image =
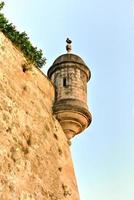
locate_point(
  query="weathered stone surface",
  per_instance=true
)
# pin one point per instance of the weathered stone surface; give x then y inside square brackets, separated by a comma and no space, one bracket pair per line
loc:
[35,161]
[70,75]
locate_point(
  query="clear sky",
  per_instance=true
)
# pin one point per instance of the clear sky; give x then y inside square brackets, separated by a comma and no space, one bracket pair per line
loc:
[103,35]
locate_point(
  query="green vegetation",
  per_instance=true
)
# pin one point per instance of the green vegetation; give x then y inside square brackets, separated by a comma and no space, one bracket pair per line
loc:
[21,40]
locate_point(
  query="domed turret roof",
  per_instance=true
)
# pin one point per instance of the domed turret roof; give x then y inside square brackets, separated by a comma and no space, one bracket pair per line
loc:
[67,60]
[69,57]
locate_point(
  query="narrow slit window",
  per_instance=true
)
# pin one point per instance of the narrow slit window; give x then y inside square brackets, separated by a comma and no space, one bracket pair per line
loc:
[64,82]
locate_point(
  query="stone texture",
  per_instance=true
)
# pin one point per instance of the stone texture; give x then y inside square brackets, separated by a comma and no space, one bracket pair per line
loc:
[35,160]
[70,75]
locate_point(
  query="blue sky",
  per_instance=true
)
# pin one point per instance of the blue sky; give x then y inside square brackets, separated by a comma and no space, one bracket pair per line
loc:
[103,35]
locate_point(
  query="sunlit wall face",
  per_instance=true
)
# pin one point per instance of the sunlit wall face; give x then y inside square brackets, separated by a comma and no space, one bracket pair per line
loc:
[102,34]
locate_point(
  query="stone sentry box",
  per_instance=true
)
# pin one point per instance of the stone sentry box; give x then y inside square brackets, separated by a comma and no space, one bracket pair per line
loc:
[70,75]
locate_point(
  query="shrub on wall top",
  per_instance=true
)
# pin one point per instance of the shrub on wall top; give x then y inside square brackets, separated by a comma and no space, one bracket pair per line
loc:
[21,40]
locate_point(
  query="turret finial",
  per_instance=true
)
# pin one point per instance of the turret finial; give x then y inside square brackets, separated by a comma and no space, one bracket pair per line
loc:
[68,46]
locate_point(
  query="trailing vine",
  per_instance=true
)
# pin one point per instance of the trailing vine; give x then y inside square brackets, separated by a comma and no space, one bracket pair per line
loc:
[21,40]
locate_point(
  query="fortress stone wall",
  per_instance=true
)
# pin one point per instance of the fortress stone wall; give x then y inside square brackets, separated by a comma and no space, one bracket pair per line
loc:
[35,160]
